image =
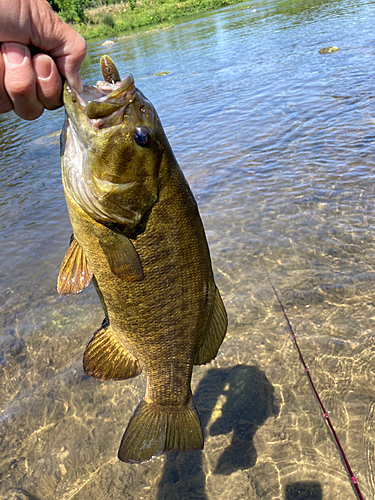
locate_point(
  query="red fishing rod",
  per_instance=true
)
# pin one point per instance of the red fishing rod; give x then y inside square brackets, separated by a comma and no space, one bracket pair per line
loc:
[325,413]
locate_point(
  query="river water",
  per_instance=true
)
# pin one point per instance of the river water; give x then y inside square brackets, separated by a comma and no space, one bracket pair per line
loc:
[277,143]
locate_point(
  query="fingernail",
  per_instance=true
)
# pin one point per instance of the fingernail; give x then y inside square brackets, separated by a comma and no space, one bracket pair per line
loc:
[15,53]
[44,68]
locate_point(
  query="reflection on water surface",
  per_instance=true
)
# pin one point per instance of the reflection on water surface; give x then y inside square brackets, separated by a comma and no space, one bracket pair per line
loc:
[277,142]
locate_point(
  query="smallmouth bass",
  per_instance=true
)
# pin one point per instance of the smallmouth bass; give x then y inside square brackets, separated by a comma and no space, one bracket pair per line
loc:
[138,236]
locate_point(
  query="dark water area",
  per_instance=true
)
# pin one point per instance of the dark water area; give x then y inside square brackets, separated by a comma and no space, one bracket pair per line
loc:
[277,143]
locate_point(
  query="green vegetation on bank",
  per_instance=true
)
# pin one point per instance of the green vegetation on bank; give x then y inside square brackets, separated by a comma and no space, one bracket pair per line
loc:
[107,18]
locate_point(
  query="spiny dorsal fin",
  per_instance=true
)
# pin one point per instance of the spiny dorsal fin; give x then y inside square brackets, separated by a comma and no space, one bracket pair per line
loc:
[122,256]
[75,274]
[105,357]
[215,333]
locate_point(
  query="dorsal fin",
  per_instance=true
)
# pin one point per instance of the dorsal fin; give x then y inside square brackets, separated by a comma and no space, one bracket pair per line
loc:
[215,333]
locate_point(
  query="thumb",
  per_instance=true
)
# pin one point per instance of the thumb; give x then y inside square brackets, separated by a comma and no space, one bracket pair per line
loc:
[68,51]
[54,37]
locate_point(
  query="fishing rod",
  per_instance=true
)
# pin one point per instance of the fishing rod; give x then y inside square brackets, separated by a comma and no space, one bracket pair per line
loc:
[325,413]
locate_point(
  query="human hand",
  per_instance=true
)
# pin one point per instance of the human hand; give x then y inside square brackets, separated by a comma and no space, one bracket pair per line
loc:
[29,84]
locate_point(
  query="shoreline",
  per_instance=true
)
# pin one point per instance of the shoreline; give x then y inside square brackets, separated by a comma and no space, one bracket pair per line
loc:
[115,19]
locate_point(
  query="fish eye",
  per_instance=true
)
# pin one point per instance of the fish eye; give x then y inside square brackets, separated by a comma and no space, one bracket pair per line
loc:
[143,136]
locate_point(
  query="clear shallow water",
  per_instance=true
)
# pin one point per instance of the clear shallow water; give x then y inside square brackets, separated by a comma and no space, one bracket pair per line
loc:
[277,142]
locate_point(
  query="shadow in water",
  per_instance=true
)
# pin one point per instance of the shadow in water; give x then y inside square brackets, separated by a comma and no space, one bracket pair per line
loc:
[248,401]
[304,490]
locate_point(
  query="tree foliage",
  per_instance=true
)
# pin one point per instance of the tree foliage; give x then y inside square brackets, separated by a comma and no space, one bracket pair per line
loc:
[74,10]
[70,10]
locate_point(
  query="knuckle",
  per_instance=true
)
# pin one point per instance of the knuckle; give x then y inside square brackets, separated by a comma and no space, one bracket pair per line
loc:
[82,52]
[20,89]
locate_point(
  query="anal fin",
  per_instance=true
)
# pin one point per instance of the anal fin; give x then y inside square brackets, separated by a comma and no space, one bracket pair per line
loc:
[75,274]
[215,333]
[105,357]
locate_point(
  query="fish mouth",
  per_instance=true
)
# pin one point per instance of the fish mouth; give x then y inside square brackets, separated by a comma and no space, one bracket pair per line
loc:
[102,100]
[96,132]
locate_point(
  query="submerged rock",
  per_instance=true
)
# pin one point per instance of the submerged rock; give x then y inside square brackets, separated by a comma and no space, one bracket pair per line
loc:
[328,50]
[161,73]
[107,42]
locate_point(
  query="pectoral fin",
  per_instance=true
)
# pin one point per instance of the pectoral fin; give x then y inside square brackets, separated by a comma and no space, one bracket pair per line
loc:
[75,274]
[105,357]
[122,256]
[215,333]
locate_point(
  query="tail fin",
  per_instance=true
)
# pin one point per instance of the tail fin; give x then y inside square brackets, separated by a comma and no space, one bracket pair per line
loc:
[154,429]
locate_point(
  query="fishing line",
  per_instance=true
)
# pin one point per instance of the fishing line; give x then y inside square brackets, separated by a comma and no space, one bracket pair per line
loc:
[325,413]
